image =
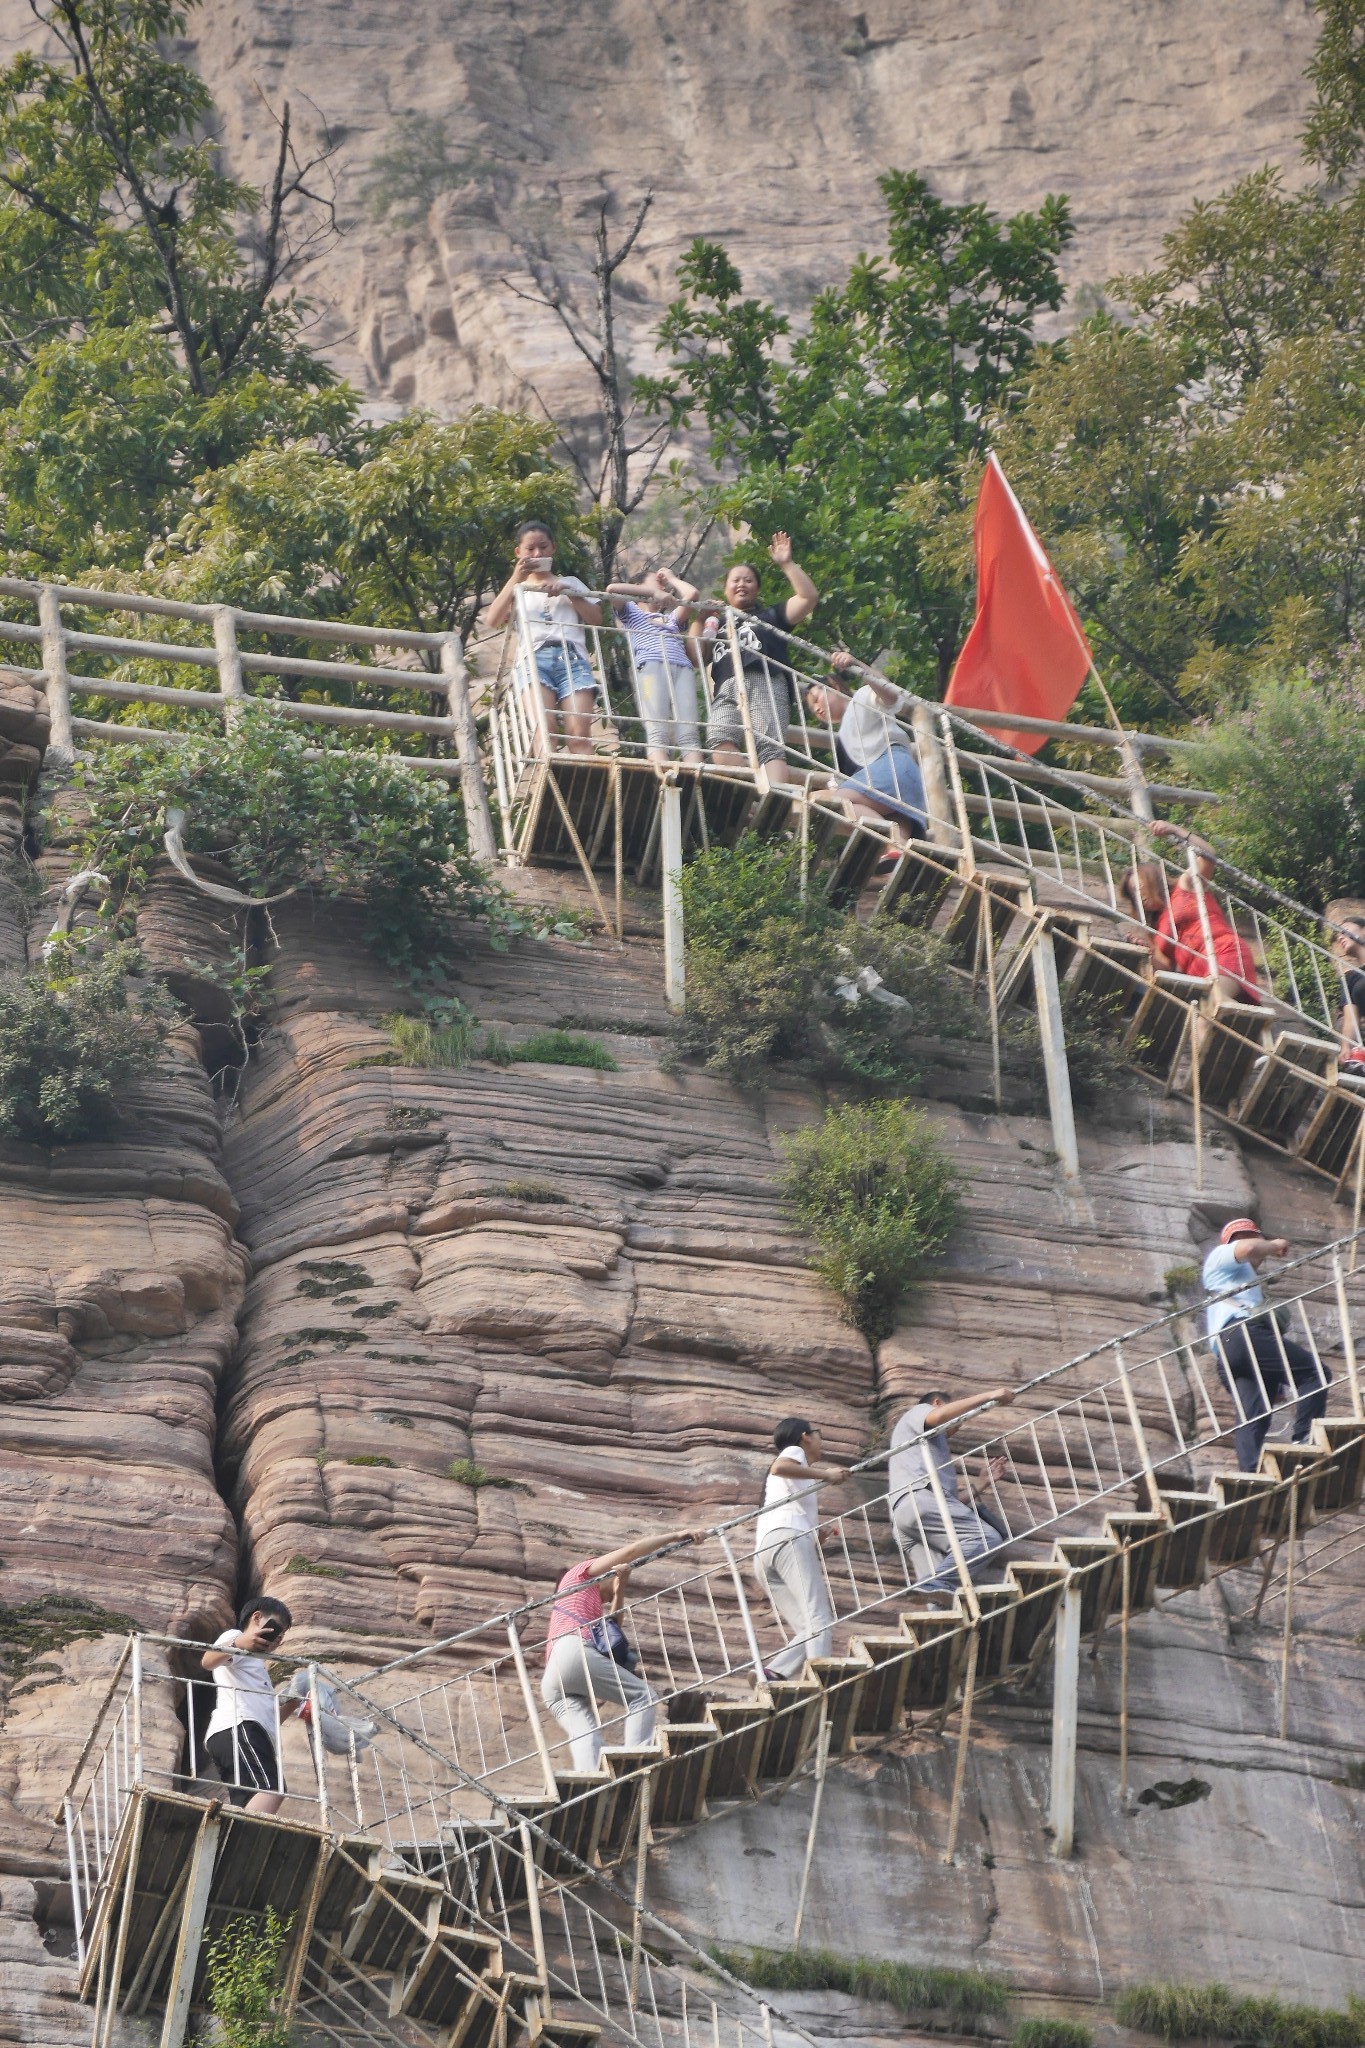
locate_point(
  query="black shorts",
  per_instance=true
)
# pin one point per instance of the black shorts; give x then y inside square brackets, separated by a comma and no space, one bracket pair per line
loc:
[246,1761]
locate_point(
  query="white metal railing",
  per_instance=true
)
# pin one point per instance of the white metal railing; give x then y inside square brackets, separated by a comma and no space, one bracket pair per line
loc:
[458,1728]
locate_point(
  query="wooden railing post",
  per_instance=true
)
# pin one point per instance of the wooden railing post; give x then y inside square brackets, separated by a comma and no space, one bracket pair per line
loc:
[229,663]
[936,798]
[61,745]
[670,881]
[478,814]
[1065,1702]
[1058,1074]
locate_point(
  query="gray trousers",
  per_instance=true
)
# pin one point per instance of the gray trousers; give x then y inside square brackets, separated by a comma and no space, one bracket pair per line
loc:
[916,1519]
[581,1688]
[793,1576]
[668,704]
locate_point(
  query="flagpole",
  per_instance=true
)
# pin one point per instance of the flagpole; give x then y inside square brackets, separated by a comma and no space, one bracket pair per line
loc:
[1139,796]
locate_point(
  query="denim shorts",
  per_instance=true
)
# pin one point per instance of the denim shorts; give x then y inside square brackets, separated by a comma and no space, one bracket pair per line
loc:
[561,669]
[892,781]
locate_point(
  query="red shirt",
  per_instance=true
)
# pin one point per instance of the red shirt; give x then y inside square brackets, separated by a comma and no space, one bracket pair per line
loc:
[1180,930]
[577,1610]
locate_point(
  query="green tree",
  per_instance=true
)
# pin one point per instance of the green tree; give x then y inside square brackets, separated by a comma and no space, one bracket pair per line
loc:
[1196,472]
[147,332]
[245,1963]
[1335,134]
[893,382]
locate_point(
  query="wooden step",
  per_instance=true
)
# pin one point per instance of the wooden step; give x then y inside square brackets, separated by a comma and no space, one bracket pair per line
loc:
[1328,1140]
[915,891]
[997,1604]
[560,2033]
[940,1652]
[1000,898]
[617,1838]
[587,1801]
[842,1679]
[1105,971]
[736,1752]
[854,865]
[1155,1038]
[1231,1039]
[1282,1095]
[1039,1588]
[1240,1528]
[1095,1558]
[1302,1464]
[1185,1556]
[1343,1476]
[789,1737]
[1145,1536]
[438,1982]
[678,1791]
[381,1936]
[881,1703]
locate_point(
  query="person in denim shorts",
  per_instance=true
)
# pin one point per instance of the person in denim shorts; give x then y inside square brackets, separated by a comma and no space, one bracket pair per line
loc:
[552,653]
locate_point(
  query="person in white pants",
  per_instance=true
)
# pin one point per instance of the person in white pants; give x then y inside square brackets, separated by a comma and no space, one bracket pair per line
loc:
[582,1678]
[787,1561]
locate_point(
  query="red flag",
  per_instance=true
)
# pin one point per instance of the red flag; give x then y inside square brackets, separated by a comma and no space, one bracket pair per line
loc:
[1026,651]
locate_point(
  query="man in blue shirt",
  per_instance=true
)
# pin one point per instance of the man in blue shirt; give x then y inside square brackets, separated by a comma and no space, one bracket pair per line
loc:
[1259,1364]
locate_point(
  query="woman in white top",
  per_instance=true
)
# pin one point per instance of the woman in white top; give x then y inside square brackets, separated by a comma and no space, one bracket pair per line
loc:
[879,773]
[787,1560]
[553,651]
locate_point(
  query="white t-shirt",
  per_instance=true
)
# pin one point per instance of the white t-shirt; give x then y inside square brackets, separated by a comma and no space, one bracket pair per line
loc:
[790,1506]
[550,620]
[1222,1270]
[867,730]
[243,1691]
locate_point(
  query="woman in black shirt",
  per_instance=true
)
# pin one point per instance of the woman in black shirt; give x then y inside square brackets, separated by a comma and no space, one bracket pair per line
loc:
[765,662]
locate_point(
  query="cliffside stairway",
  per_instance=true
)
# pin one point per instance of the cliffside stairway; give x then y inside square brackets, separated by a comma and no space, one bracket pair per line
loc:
[453,1883]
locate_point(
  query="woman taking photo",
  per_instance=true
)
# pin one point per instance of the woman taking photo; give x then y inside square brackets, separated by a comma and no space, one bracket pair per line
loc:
[552,652]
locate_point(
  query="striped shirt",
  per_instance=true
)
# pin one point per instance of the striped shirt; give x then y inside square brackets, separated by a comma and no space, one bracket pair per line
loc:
[653,636]
[577,1610]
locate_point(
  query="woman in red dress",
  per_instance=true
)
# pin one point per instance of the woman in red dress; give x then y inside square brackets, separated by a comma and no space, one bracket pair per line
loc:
[1181,931]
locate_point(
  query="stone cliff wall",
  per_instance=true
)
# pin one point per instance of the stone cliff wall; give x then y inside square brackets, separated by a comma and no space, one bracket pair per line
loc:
[764,123]
[582,1281]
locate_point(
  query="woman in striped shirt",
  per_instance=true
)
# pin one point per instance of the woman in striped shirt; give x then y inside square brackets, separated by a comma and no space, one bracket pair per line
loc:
[666,682]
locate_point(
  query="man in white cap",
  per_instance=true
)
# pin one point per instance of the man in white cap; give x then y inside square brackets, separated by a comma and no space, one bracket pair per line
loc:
[1258,1362]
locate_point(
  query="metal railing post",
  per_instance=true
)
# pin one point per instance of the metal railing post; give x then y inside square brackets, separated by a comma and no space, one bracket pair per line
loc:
[741,689]
[477,811]
[229,663]
[533,1713]
[746,1618]
[670,882]
[1053,1033]
[315,1742]
[1065,1701]
[137,1710]
[61,744]
[967,854]
[930,753]
[1348,1342]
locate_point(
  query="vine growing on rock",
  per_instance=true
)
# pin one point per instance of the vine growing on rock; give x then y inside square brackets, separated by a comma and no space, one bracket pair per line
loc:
[284,815]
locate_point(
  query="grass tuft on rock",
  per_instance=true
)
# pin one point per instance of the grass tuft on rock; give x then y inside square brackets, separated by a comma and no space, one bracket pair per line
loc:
[424,1042]
[37,1628]
[467,1472]
[959,1997]
[550,1049]
[1213,2012]
[1047,2033]
[305,1568]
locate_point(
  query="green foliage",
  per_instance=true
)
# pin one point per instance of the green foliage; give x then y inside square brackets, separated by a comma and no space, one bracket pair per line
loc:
[763,967]
[370,1458]
[891,382]
[874,1188]
[244,1981]
[466,1472]
[565,1049]
[347,824]
[73,1033]
[38,1628]
[1211,2012]
[148,336]
[422,1042]
[960,1998]
[305,1567]
[530,1191]
[413,168]
[1194,474]
[1052,2034]
[328,1279]
[1335,134]
[1291,771]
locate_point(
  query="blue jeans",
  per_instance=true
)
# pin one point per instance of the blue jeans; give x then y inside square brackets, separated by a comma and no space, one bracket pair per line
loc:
[893,783]
[559,668]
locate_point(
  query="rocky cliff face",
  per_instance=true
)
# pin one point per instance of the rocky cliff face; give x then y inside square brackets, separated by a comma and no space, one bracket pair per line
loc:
[249,1355]
[765,123]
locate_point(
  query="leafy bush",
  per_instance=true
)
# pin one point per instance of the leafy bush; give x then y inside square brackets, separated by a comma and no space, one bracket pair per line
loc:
[243,1989]
[961,1997]
[872,1186]
[72,1034]
[433,1042]
[1290,769]
[764,968]
[1052,2034]
[1212,2012]
[348,824]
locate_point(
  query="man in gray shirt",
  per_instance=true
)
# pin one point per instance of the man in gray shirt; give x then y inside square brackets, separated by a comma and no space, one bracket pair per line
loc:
[921,1435]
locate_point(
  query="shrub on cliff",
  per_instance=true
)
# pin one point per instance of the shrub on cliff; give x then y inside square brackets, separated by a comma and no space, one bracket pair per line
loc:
[874,1188]
[245,1965]
[775,976]
[1213,2012]
[960,1998]
[72,1034]
[344,823]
